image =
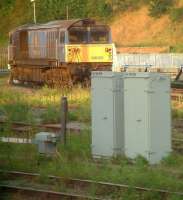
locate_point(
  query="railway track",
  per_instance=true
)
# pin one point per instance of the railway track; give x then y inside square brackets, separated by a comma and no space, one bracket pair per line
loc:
[42,194]
[23,130]
[101,187]
[25,127]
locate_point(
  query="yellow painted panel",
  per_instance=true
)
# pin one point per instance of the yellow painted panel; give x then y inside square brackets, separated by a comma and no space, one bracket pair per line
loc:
[88,53]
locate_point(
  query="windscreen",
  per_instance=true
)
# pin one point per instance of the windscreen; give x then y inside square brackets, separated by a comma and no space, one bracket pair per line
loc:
[99,35]
[78,35]
[93,35]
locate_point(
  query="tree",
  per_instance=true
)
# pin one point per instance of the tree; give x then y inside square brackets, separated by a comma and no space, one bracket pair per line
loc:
[159,7]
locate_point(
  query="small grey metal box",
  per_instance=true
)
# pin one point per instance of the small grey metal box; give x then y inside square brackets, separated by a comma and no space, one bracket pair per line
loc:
[107,114]
[46,142]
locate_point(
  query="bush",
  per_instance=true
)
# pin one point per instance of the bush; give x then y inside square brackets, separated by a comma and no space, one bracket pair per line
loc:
[176,14]
[177,114]
[124,5]
[52,115]
[178,48]
[159,7]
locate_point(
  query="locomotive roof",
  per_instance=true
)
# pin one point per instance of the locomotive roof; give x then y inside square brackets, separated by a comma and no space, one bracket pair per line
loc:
[64,24]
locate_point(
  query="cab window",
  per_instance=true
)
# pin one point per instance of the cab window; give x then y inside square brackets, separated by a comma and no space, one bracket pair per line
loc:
[99,35]
[78,35]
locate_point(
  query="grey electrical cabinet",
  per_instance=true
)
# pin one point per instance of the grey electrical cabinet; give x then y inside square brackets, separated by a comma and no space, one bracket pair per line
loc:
[107,114]
[131,115]
[147,120]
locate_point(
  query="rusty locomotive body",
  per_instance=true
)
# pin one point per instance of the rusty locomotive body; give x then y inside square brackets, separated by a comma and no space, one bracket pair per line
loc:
[59,52]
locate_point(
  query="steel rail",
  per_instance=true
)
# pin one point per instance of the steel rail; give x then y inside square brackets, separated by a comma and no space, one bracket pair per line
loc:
[85,182]
[24,140]
[49,193]
[54,127]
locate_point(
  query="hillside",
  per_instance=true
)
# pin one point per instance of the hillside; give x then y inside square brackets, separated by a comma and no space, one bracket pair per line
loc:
[137,28]
[140,23]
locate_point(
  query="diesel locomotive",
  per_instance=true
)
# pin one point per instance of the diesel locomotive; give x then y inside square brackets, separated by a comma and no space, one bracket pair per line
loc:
[62,52]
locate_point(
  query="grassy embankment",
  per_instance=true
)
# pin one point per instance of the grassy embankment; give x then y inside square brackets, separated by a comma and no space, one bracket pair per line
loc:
[74,160]
[137,28]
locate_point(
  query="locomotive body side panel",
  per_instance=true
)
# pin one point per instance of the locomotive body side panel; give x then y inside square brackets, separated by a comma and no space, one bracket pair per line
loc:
[42,44]
[37,44]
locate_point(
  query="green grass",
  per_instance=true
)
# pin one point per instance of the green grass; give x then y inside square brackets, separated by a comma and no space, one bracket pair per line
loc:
[74,159]
[177,113]
[20,104]
[51,114]
[178,48]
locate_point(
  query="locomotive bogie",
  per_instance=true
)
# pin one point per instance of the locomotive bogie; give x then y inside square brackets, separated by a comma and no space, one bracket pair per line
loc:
[62,75]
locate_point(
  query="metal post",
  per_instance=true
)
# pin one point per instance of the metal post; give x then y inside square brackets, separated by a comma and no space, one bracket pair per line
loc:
[64,110]
[34,6]
[67,12]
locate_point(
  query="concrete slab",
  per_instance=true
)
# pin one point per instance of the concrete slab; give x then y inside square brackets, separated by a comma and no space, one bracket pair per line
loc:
[16,140]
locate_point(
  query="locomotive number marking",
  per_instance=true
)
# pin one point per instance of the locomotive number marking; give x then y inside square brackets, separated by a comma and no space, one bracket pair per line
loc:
[97,57]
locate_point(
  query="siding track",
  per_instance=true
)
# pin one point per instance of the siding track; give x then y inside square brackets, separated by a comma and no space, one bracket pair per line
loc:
[83,184]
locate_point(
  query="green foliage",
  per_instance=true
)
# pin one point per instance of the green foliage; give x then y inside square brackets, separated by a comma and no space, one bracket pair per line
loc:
[176,14]
[15,107]
[118,6]
[74,159]
[159,7]
[177,113]
[172,160]
[141,161]
[99,9]
[178,48]
[82,113]
[52,115]
[18,12]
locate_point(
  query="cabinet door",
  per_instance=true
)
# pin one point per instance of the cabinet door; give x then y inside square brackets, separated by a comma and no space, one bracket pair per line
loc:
[102,117]
[136,117]
[160,118]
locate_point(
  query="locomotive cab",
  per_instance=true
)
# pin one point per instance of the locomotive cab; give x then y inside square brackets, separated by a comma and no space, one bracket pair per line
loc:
[89,44]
